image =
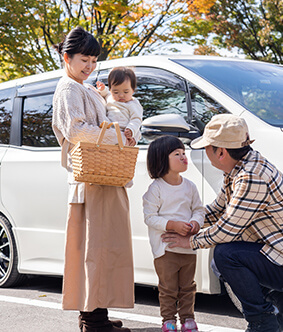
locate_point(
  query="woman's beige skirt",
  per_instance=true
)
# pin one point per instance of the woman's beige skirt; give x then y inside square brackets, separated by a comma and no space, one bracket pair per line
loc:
[98,269]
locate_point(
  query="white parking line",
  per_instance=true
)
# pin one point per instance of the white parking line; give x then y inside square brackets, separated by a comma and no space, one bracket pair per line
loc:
[158,320]
[35,303]
[112,314]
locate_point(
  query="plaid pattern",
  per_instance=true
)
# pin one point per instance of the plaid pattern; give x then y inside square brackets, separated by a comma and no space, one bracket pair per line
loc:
[249,207]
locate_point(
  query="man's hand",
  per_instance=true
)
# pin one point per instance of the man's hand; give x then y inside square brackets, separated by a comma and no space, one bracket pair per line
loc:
[176,240]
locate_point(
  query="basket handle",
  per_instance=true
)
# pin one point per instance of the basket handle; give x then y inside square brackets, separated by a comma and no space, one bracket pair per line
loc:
[104,125]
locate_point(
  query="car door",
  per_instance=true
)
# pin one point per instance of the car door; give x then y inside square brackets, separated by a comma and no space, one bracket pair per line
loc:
[33,183]
[160,92]
[203,108]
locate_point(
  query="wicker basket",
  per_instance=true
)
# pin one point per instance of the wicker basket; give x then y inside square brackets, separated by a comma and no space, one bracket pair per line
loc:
[104,164]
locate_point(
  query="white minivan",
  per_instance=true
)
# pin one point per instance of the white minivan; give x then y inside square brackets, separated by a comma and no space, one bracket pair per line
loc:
[179,95]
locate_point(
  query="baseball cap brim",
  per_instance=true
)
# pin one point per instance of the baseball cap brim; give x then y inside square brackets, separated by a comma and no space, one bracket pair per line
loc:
[199,143]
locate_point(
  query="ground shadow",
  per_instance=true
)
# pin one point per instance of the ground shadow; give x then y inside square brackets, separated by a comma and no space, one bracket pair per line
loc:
[42,284]
[145,295]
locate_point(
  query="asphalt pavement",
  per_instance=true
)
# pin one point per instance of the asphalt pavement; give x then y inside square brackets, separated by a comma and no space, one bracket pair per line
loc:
[36,306]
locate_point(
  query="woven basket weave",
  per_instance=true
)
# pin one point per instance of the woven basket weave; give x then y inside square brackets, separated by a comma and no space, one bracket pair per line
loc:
[104,164]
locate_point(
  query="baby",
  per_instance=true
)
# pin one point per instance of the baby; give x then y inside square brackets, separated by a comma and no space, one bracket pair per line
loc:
[121,106]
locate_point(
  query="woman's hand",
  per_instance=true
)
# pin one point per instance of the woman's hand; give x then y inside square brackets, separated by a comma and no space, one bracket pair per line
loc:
[176,240]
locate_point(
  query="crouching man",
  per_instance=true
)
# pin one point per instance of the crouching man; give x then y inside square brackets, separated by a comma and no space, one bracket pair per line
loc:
[245,223]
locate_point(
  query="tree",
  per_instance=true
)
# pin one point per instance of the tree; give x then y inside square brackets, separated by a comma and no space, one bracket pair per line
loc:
[29,28]
[255,27]
[27,31]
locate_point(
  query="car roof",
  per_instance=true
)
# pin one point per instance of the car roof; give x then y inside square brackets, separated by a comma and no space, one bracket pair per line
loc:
[147,60]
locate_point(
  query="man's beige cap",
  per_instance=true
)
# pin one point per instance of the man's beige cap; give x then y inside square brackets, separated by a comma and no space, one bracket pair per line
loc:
[224,131]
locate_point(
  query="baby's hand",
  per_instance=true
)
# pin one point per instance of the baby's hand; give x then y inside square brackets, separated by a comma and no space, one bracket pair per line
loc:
[195,227]
[100,86]
[131,142]
[128,133]
[182,227]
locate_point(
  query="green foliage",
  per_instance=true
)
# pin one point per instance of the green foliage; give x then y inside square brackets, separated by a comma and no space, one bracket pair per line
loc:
[255,27]
[27,31]
[29,28]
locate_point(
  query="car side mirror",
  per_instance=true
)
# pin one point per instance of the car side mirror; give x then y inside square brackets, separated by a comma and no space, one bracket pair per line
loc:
[168,124]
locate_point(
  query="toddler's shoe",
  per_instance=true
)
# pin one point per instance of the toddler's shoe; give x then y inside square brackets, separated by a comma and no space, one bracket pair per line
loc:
[169,326]
[189,326]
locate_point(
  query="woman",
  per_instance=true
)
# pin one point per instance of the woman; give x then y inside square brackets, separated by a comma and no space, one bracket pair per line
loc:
[98,272]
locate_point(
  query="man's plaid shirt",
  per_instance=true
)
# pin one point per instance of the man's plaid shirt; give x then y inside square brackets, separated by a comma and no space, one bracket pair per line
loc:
[249,207]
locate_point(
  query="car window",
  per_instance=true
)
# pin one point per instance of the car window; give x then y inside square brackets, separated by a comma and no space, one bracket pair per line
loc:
[37,122]
[255,85]
[159,99]
[6,97]
[203,107]
[158,91]
[264,102]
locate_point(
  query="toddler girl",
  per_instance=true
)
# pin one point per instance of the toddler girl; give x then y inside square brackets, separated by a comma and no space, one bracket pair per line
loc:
[172,203]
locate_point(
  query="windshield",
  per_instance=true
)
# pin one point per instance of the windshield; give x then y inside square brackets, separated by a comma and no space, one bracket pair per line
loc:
[256,86]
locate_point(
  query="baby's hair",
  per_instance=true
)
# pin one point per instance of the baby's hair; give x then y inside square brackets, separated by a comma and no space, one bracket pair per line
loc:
[158,155]
[119,75]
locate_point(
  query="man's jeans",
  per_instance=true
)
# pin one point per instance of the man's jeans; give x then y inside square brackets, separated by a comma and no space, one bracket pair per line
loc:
[249,273]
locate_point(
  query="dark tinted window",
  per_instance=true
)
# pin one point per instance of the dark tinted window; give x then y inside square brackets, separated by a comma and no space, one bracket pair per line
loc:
[159,92]
[5,115]
[203,107]
[37,122]
[159,99]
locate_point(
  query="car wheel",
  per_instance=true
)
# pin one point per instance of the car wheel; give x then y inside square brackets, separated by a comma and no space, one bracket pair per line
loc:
[9,275]
[233,297]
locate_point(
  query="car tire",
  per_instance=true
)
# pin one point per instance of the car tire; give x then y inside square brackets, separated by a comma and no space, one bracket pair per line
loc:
[233,297]
[9,275]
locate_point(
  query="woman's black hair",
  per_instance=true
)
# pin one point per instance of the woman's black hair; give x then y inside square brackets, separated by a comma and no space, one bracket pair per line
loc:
[77,41]
[158,155]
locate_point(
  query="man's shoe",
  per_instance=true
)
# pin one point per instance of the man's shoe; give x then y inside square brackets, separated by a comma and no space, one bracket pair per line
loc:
[266,322]
[276,298]
[280,321]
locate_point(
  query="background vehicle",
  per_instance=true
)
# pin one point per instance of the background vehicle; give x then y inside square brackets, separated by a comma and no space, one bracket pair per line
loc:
[179,95]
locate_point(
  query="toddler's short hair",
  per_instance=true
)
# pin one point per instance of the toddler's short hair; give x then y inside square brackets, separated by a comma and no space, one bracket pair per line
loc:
[120,74]
[158,155]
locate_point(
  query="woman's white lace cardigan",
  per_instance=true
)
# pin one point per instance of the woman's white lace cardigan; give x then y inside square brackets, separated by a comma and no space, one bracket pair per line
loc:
[77,112]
